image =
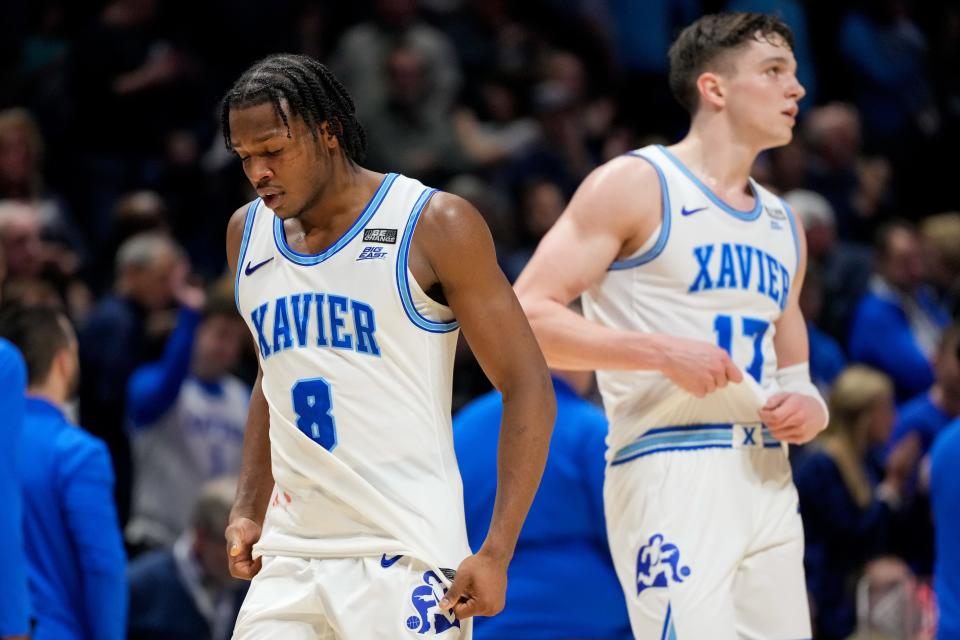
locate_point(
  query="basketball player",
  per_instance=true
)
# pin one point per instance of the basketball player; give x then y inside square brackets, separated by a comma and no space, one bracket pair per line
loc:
[690,273]
[354,285]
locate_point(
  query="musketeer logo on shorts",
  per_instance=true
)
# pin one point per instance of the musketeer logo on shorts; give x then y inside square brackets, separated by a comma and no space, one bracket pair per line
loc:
[426,601]
[383,236]
[658,564]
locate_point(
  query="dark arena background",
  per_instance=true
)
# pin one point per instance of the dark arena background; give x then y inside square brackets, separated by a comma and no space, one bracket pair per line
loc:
[116,188]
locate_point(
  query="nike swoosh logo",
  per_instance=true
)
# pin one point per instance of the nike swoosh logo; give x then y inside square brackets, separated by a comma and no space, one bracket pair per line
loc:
[689,212]
[386,562]
[250,269]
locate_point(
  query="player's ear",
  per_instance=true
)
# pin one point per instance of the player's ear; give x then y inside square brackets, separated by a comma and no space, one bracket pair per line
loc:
[327,134]
[712,91]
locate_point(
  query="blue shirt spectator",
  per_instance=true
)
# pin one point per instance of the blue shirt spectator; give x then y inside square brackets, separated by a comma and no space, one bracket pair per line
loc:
[14,605]
[72,538]
[186,592]
[945,496]
[561,582]
[897,325]
[920,416]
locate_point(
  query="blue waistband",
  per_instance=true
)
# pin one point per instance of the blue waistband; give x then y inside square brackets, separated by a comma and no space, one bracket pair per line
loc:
[696,436]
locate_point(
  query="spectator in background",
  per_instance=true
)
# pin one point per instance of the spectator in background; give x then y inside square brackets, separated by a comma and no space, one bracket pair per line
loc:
[72,536]
[843,268]
[362,53]
[402,134]
[150,276]
[941,240]
[186,592]
[918,424]
[561,582]
[14,602]
[541,203]
[944,498]
[857,187]
[897,324]
[845,515]
[885,53]
[186,416]
[22,180]
[827,359]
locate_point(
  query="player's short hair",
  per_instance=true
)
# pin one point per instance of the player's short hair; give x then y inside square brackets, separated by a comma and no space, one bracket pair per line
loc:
[299,86]
[39,333]
[142,250]
[700,45]
[211,512]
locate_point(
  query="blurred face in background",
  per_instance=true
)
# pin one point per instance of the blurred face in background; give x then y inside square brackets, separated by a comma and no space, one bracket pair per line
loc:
[22,243]
[902,263]
[878,420]
[152,285]
[218,346]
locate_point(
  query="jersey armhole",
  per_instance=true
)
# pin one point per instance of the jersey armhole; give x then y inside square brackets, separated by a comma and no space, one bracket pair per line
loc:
[657,248]
[245,240]
[403,275]
[793,229]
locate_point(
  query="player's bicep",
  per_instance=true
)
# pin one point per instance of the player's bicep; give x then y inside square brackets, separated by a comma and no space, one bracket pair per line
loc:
[461,252]
[790,341]
[617,205]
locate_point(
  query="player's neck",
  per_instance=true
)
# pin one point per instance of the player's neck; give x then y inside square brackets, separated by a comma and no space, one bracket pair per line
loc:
[716,156]
[348,190]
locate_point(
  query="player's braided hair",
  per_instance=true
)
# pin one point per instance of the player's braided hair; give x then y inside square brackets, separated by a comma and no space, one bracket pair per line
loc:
[700,45]
[302,86]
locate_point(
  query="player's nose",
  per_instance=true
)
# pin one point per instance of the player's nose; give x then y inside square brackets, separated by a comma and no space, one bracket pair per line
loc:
[258,171]
[796,90]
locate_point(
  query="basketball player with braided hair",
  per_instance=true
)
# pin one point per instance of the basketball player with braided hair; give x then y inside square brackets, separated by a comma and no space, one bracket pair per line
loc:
[349,511]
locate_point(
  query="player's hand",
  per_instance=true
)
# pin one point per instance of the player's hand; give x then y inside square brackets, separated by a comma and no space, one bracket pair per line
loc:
[697,366]
[241,535]
[479,589]
[793,417]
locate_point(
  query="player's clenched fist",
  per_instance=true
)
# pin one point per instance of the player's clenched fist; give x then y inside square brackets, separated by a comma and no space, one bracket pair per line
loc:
[793,417]
[241,535]
[697,366]
[479,589]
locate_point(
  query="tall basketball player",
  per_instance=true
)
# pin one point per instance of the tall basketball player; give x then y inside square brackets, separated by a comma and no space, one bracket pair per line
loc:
[354,285]
[690,273]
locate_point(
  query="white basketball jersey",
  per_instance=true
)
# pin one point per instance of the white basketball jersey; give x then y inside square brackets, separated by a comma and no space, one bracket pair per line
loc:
[710,272]
[357,368]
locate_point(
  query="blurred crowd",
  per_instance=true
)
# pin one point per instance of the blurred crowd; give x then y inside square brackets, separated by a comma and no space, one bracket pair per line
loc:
[116,186]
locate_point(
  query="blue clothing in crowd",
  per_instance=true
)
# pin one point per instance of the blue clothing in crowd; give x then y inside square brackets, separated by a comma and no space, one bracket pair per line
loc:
[561,582]
[922,417]
[14,603]
[74,548]
[826,358]
[881,336]
[945,496]
[839,537]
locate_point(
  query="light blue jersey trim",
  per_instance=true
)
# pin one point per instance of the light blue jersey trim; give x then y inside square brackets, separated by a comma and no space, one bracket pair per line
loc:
[752,214]
[403,283]
[304,259]
[657,248]
[669,630]
[793,229]
[245,240]
[686,438]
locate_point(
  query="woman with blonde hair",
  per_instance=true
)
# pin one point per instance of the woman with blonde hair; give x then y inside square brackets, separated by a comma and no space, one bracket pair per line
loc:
[846,513]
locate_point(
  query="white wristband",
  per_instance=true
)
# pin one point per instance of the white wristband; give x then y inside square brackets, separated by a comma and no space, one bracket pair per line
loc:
[796,379]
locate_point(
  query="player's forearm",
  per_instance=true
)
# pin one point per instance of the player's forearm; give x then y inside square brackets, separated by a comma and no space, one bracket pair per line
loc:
[573,343]
[528,415]
[256,478]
